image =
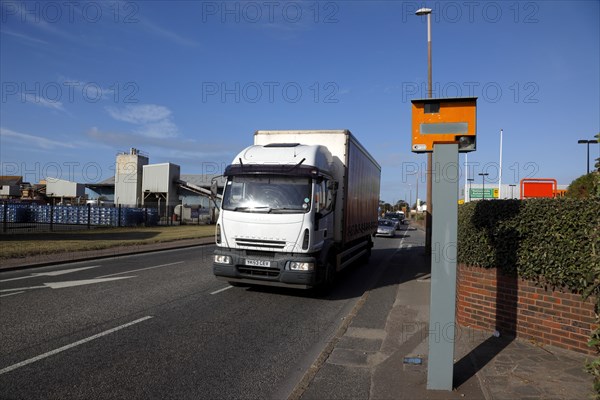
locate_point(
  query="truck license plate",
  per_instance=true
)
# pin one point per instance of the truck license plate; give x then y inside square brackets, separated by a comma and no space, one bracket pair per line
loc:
[258,263]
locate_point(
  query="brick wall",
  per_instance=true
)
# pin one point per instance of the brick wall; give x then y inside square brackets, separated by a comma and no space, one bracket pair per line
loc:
[488,300]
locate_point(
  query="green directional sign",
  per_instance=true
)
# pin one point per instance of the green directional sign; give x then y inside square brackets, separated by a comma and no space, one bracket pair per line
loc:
[479,193]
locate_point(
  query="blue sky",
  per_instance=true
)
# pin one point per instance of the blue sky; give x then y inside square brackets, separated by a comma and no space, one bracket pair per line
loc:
[189,82]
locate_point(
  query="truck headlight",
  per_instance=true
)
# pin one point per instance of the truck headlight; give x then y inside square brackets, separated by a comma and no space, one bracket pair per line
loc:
[219,259]
[301,266]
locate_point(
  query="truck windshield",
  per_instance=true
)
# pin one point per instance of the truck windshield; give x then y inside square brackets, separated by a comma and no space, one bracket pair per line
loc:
[268,194]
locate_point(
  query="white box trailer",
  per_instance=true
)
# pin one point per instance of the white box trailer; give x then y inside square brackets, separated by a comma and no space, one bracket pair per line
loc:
[298,206]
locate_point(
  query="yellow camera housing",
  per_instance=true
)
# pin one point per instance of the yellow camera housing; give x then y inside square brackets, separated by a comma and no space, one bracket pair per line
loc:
[446,120]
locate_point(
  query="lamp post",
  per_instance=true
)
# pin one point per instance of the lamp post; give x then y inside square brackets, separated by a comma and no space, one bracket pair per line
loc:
[588,142]
[470,181]
[420,12]
[511,191]
[483,175]
[500,168]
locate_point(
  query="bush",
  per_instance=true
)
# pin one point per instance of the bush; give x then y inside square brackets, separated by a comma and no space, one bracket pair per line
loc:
[554,242]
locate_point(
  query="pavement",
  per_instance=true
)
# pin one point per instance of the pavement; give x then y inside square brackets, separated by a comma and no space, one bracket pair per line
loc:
[380,350]
[373,354]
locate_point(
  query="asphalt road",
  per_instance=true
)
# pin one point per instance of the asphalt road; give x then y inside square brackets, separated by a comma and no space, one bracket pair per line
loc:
[160,325]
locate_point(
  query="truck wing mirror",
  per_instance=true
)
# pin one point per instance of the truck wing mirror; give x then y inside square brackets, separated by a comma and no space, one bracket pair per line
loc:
[214,188]
[214,191]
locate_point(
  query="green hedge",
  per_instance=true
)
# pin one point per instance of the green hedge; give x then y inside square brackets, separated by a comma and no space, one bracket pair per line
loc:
[555,242]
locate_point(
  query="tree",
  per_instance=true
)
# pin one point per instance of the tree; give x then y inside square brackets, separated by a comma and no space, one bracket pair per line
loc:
[400,204]
[584,187]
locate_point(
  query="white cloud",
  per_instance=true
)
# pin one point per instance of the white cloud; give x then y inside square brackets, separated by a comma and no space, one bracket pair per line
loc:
[152,120]
[40,101]
[32,140]
[181,147]
[140,114]
[26,38]
[160,129]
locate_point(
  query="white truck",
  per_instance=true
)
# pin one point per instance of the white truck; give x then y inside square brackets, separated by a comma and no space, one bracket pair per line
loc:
[297,207]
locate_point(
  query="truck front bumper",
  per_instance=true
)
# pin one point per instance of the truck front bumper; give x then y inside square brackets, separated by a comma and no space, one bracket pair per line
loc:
[271,269]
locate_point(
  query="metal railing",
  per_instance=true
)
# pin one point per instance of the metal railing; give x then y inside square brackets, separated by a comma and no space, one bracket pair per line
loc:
[30,217]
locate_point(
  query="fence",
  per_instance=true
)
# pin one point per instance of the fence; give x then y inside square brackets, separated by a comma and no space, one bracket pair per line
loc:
[19,217]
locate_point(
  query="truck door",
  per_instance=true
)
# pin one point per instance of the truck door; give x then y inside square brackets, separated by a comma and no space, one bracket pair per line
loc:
[323,202]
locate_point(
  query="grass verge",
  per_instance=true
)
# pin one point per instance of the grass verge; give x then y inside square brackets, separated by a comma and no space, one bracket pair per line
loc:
[27,244]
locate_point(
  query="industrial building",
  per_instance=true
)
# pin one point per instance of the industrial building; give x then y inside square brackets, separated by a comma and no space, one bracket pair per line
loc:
[10,186]
[67,191]
[136,183]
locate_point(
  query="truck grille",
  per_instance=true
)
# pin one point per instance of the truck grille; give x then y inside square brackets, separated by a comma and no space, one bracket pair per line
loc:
[261,244]
[258,271]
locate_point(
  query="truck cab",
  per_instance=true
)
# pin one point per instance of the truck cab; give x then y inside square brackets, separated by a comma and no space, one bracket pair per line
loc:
[276,216]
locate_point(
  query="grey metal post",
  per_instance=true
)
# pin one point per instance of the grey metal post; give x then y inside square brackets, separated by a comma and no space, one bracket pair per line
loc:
[442,312]
[5,216]
[89,216]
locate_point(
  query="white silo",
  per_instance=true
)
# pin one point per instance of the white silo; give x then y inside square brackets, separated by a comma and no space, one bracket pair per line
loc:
[128,178]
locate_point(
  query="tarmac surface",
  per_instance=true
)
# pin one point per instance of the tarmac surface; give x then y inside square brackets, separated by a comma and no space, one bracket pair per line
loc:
[380,350]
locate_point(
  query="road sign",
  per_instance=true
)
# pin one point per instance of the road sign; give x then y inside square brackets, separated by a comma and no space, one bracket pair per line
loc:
[478,193]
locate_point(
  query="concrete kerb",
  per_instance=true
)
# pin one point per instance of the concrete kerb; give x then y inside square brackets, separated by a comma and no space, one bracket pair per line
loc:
[45,260]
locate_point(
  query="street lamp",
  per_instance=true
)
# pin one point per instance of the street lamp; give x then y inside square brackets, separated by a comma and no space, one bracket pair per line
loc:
[420,12]
[427,11]
[483,175]
[511,191]
[588,142]
[470,180]
[500,168]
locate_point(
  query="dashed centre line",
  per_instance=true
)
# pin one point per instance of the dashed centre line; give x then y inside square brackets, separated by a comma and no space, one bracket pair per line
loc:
[70,346]
[222,290]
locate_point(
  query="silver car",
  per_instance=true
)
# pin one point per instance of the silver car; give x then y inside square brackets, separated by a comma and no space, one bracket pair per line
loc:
[386,227]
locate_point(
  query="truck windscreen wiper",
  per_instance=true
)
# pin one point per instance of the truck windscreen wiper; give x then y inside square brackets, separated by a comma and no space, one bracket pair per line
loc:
[288,210]
[251,209]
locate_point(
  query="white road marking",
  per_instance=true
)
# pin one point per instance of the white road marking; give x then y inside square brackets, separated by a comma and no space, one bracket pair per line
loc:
[70,346]
[22,288]
[66,284]
[11,294]
[61,285]
[222,290]
[51,273]
[142,269]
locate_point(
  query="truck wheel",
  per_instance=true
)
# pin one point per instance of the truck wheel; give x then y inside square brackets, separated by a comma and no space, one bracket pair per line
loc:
[324,288]
[331,273]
